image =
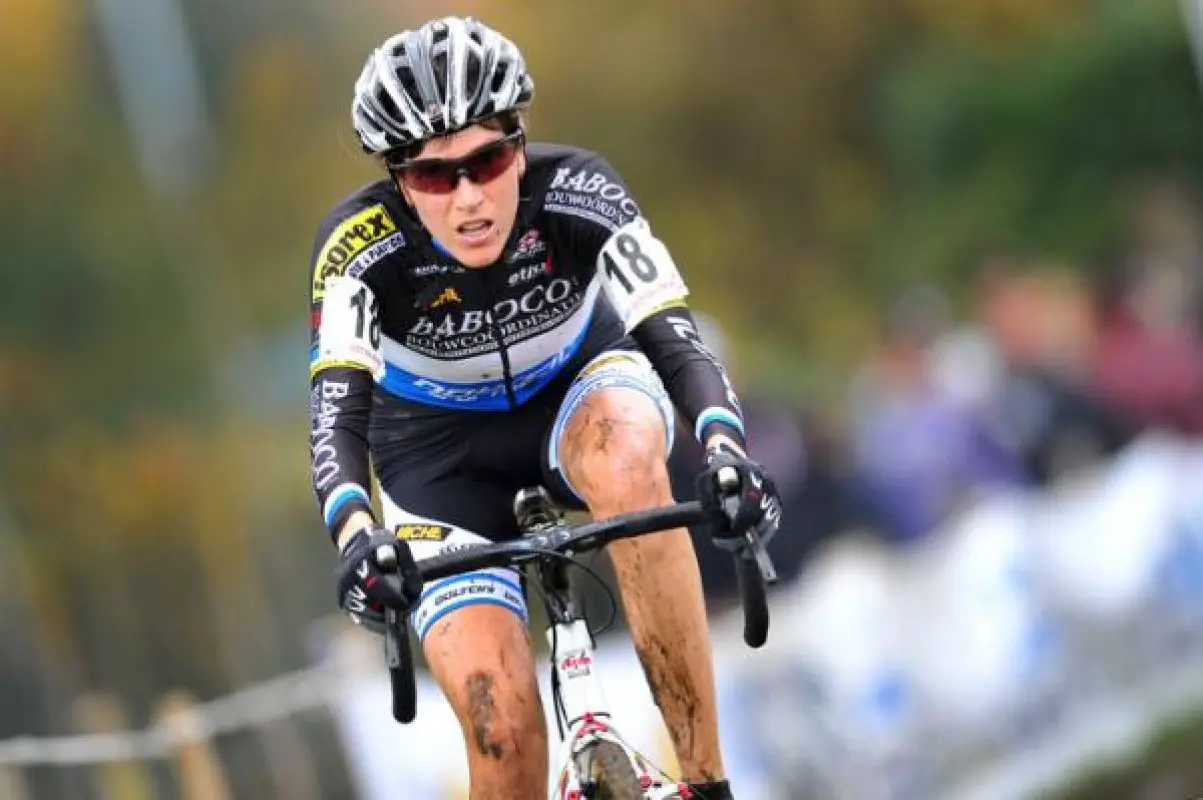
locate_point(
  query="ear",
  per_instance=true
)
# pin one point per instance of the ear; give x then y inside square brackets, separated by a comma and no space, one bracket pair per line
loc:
[522,163]
[403,191]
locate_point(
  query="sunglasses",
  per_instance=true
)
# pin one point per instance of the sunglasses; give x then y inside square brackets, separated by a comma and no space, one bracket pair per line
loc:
[441,175]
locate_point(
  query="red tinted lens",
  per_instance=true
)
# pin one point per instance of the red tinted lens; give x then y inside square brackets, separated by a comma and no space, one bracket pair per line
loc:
[436,176]
[490,162]
[433,177]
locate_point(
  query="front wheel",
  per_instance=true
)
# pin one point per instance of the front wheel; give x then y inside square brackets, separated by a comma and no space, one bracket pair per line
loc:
[604,764]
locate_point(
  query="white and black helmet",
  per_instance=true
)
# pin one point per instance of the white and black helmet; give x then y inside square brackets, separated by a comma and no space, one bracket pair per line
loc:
[446,75]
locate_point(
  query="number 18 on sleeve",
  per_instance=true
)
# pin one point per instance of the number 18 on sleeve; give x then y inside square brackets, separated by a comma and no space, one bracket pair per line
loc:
[640,277]
[349,335]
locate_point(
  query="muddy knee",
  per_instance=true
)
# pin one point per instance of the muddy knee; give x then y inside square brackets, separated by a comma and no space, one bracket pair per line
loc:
[496,725]
[614,448]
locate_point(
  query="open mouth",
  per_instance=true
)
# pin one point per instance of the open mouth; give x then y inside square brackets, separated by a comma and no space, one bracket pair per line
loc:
[475,232]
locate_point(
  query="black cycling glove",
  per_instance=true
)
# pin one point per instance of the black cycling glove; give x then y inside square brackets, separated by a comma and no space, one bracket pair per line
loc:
[750,501]
[365,588]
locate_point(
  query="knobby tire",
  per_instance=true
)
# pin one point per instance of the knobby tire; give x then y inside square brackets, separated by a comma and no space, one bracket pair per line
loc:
[607,765]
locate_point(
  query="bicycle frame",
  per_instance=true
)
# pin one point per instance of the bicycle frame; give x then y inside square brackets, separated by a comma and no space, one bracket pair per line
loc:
[581,710]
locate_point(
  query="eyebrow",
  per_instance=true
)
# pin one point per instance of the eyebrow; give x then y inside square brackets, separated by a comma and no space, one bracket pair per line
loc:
[457,158]
[478,148]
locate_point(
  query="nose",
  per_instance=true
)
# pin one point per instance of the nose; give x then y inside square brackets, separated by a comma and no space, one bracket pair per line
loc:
[467,193]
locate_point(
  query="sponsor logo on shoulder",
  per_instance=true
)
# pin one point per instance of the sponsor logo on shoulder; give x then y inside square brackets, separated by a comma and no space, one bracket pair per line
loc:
[358,242]
[590,194]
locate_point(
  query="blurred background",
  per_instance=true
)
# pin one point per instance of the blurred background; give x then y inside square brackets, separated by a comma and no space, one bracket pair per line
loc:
[952,253]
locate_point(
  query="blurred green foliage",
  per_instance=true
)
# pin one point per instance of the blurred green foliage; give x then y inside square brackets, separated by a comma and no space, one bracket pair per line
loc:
[1169,766]
[803,161]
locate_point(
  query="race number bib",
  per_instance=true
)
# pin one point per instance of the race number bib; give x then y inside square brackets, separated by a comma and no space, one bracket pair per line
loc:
[640,277]
[349,335]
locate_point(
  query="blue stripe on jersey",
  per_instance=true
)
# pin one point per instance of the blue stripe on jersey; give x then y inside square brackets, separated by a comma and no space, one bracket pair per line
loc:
[482,396]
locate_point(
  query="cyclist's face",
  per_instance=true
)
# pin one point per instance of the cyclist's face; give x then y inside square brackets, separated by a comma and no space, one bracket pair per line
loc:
[473,219]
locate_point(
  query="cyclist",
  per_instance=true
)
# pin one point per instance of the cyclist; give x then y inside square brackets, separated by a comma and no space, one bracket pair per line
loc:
[493,314]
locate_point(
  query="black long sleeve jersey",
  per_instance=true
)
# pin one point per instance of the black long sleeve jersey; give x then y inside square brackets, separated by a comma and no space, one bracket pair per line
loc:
[394,314]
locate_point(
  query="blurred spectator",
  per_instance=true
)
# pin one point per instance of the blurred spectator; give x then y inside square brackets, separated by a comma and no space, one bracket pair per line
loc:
[918,452]
[1148,362]
[1021,367]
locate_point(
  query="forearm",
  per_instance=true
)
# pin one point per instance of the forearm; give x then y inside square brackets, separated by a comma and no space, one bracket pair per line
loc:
[340,406]
[696,382]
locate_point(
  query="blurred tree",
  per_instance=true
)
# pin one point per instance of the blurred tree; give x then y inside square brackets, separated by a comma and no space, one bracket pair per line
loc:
[1042,147]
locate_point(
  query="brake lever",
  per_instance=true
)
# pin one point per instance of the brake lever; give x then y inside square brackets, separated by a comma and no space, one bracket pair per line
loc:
[397,654]
[392,641]
[386,559]
[753,547]
[760,554]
